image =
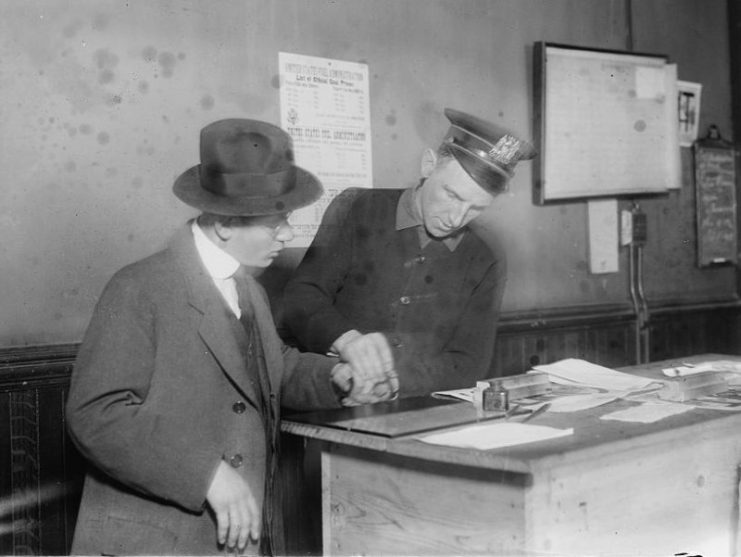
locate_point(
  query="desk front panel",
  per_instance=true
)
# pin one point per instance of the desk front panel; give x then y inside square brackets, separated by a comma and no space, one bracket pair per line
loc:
[377,503]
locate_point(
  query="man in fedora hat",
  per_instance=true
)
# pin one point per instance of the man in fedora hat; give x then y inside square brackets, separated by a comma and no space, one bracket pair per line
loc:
[176,391]
[395,282]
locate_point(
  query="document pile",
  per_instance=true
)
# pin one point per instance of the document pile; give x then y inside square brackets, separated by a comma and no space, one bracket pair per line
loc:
[599,385]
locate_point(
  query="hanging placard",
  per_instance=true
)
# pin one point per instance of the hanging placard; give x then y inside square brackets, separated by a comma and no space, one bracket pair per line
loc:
[715,183]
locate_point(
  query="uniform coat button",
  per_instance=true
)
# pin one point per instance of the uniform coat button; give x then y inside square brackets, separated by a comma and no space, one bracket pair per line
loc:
[239,407]
[236,460]
[404,300]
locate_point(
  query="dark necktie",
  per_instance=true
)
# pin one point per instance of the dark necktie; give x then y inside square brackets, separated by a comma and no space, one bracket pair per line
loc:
[241,281]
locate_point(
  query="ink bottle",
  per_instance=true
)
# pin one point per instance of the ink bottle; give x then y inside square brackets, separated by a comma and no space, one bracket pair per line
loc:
[496,398]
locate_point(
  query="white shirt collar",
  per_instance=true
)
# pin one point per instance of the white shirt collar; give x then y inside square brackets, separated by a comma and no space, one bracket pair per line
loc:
[218,263]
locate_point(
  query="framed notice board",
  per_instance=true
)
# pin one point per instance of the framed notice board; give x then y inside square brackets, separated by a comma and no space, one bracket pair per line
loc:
[606,123]
[715,185]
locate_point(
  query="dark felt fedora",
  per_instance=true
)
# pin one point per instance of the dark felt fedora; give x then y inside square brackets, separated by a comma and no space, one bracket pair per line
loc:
[246,169]
[486,151]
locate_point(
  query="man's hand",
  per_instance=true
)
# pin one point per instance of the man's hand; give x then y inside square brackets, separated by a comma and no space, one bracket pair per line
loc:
[237,515]
[359,391]
[370,355]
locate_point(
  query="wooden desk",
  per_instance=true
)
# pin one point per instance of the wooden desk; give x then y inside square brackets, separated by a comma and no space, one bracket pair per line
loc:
[613,488]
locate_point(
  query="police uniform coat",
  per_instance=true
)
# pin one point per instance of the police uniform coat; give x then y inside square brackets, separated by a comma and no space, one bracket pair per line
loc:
[437,307]
[160,394]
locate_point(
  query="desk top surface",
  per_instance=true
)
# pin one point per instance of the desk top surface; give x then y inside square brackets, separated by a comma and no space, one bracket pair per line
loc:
[592,438]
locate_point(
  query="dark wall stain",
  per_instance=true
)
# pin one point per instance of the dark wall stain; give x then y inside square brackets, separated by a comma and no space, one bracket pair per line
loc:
[100,22]
[207,102]
[103,138]
[106,62]
[149,54]
[71,29]
[167,62]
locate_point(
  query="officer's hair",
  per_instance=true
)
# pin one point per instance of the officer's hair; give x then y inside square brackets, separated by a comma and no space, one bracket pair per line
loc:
[445,151]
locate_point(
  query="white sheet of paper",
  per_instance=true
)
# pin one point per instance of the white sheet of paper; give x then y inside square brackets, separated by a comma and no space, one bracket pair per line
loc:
[575,403]
[581,372]
[465,395]
[495,435]
[647,413]
[602,218]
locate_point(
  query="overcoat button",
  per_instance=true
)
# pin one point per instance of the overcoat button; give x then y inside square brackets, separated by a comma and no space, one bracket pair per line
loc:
[404,300]
[239,407]
[420,259]
[236,460]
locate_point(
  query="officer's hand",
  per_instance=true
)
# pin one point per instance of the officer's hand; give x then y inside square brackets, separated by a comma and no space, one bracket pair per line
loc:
[370,356]
[237,515]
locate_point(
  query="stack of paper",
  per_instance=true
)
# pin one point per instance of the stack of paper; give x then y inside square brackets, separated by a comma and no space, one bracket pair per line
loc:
[573,371]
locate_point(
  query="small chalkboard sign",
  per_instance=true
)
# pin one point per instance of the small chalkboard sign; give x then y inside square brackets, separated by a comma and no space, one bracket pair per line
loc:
[715,183]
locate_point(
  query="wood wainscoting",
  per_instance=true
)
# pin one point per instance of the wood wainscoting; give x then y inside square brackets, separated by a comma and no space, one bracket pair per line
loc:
[41,472]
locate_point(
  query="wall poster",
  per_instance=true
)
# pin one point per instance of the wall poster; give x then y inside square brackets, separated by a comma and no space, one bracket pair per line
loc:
[325,107]
[688,101]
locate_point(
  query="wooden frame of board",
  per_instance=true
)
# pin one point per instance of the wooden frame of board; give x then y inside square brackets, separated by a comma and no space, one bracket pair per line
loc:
[605,122]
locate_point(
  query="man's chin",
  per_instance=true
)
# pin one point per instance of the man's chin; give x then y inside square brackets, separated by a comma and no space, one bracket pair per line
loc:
[442,234]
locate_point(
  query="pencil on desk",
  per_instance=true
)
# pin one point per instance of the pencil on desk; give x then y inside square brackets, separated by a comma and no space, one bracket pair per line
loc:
[537,412]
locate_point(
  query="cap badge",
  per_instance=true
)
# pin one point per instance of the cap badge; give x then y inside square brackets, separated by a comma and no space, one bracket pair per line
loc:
[506,151]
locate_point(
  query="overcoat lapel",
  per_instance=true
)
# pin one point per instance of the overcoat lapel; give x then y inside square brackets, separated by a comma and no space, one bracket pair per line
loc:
[212,313]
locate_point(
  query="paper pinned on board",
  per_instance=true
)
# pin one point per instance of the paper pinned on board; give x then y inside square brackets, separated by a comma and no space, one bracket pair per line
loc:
[574,371]
[495,435]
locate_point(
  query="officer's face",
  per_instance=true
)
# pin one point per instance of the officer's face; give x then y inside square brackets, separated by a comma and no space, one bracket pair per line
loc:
[257,241]
[449,199]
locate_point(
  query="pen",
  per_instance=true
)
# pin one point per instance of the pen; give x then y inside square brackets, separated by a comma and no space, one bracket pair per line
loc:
[511,412]
[537,412]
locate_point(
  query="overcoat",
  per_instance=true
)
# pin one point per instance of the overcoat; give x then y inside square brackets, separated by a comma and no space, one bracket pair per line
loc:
[160,394]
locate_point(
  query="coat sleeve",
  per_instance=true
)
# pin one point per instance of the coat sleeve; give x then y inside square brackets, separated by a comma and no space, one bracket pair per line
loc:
[306,378]
[310,293]
[139,445]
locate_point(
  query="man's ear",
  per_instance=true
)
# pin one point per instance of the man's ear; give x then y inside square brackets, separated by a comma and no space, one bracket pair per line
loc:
[427,165]
[223,232]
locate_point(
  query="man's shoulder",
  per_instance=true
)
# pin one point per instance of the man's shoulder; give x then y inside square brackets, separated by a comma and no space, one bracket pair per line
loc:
[370,195]
[159,271]
[487,244]
[362,205]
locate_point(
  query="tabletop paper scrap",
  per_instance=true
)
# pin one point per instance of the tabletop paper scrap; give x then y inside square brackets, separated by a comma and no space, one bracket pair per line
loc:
[647,412]
[575,403]
[465,395]
[572,370]
[495,435]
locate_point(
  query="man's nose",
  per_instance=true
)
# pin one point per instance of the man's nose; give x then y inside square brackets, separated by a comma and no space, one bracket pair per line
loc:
[457,216]
[285,232]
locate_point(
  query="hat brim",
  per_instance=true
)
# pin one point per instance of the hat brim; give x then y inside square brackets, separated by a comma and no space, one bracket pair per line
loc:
[306,190]
[489,176]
